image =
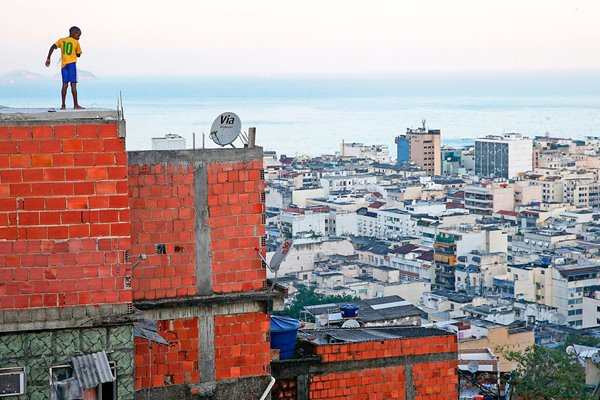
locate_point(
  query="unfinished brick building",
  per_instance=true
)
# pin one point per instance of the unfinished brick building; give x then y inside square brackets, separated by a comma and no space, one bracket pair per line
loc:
[64,231]
[377,363]
[143,265]
[85,228]
[197,216]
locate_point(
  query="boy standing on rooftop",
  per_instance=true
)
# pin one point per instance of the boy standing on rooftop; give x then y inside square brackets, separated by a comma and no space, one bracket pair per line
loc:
[70,51]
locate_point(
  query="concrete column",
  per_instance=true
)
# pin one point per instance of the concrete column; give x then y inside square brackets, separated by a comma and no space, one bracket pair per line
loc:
[202,231]
[206,348]
[409,382]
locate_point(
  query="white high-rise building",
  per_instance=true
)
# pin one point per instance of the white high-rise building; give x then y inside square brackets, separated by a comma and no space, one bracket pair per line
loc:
[503,156]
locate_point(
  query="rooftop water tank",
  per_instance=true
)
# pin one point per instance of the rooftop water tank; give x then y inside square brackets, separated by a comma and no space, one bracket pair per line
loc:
[349,310]
[284,332]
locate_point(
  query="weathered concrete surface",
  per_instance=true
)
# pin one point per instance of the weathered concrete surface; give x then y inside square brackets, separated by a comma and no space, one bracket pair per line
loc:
[204,274]
[194,156]
[50,116]
[206,300]
[206,348]
[241,388]
[54,114]
[179,392]
[33,319]
[232,389]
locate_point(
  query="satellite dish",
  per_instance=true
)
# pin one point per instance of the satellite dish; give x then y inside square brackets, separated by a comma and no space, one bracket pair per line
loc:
[596,358]
[473,366]
[322,320]
[280,255]
[571,351]
[225,129]
[351,323]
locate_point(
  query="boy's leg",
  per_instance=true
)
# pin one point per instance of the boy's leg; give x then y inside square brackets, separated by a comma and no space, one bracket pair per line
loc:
[76,105]
[63,94]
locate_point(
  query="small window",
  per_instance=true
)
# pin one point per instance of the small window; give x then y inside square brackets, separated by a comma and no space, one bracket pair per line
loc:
[161,248]
[12,381]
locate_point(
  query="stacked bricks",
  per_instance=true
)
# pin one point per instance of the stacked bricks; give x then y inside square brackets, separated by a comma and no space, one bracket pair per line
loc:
[374,383]
[162,204]
[436,380]
[432,380]
[422,367]
[64,215]
[285,389]
[159,365]
[236,222]
[387,348]
[242,345]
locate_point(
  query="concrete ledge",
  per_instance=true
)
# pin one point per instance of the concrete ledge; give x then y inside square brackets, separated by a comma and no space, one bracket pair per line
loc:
[207,300]
[250,388]
[312,365]
[35,319]
[192,156]
[31,115]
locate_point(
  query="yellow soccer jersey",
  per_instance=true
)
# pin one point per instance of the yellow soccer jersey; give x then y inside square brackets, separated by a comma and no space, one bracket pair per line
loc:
[69,50]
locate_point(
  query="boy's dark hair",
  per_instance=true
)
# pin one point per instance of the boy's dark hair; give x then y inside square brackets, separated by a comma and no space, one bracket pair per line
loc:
[73,30]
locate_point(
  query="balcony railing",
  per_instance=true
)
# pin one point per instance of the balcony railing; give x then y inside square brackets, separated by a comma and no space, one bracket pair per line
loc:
[444,239]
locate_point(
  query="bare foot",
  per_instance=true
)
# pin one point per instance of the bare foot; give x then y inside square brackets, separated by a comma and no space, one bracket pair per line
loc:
[78,108]
[63,108]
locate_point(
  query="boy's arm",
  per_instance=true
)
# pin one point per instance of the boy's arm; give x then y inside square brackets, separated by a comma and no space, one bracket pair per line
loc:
[52,48]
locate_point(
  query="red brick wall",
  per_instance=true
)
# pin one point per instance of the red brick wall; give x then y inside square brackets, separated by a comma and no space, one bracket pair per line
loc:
[162,203]
[162,212]
[242,346]
[388,348]
[236,221]
[436,380]
[285,389]
[161,365]
[432,380]
[375,383]
[64,216]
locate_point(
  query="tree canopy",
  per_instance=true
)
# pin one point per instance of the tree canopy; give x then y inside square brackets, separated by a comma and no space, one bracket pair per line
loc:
[307,296]
[546,374]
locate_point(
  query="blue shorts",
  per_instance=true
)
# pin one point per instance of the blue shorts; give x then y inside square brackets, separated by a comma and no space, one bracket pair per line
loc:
[69,73]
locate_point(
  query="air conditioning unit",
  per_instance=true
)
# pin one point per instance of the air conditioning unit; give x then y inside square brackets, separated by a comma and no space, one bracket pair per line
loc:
[12,381]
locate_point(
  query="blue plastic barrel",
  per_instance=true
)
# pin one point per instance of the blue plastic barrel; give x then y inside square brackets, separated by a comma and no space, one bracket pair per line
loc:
[284,332]
[349,310]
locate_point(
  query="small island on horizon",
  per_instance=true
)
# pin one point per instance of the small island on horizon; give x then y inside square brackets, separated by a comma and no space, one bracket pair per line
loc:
[25,75]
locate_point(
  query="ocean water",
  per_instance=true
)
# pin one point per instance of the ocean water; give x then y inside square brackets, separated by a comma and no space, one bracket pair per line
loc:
[313,115]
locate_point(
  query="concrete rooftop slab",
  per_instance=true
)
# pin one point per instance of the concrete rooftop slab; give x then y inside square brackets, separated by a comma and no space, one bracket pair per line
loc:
[8,114]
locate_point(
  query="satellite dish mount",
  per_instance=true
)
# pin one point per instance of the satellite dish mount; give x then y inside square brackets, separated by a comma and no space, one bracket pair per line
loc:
[279,256]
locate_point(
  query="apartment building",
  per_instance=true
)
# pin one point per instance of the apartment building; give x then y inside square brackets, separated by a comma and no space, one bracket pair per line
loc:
[319,221]
[503,156]
[489,197]
[425,149]
[561,284]
[379,153]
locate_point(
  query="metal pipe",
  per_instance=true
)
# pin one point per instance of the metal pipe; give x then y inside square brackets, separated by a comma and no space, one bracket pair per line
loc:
[268,389]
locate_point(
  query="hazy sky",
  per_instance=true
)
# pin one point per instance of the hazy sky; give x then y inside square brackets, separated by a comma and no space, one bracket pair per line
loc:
[272,37]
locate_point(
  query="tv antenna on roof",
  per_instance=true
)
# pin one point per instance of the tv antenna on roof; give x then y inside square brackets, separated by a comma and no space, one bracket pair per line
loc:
[225,129]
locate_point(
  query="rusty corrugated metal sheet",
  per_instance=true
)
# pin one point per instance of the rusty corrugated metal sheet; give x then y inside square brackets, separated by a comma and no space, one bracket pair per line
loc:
[92,369]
